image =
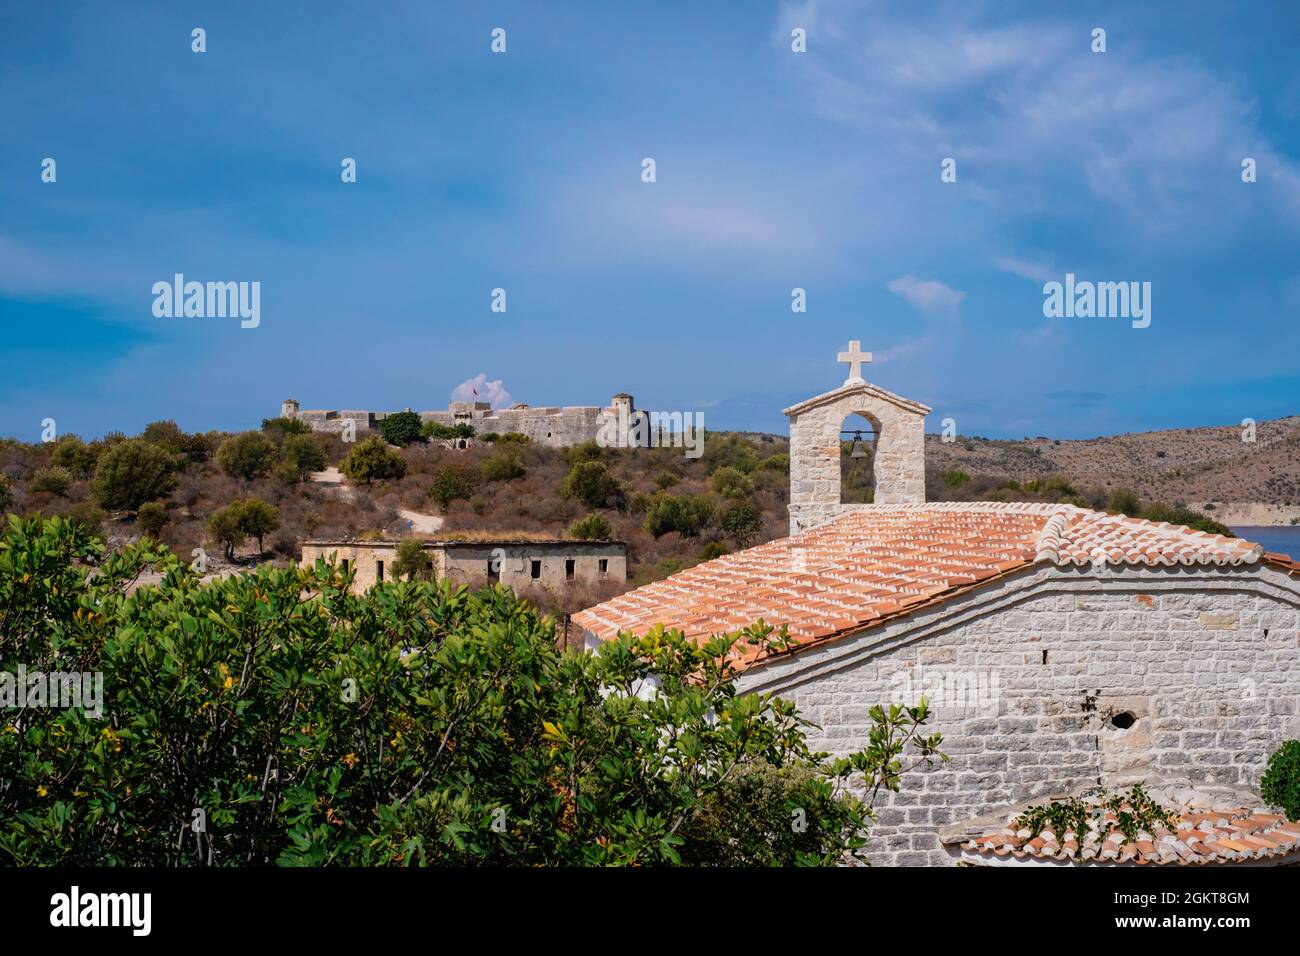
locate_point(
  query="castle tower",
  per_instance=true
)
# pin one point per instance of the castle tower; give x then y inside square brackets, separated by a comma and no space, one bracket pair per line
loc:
[289,408]
[815,435]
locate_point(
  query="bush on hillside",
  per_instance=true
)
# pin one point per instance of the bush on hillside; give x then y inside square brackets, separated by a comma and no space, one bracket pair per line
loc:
[132,472]
[372,460]
[247,455]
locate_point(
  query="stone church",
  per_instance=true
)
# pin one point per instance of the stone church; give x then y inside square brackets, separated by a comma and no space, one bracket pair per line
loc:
[1062,649]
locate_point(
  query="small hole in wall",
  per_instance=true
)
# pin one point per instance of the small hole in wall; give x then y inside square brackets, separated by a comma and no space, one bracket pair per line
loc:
[1044,657]
[1123,720]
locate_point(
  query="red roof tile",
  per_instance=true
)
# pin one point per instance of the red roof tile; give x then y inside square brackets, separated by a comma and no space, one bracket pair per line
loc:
[878,561]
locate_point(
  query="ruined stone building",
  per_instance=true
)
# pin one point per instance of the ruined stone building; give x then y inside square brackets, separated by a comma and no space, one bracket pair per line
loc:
[554,427]
[1061,649]
[552,563]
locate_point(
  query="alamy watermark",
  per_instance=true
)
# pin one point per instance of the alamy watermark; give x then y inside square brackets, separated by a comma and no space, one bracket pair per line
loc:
[949,693]
[56,690]
[627,428]
[209,300]
[1102,300]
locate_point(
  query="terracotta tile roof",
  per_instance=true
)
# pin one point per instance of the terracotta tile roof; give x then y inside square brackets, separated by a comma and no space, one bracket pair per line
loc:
[1205,835]
[880,561]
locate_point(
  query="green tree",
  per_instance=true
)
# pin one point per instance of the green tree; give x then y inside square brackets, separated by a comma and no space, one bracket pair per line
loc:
[6,493]
[302,454]
[592,483]
[75,455]
[132,472]
[152,518]
[372,460]
[247,455]
[594,527]
[742,522]
[53,480]
[401,428]
[411,561]
[243,518]
[688,515]
[256,519]
[497,748]
[451,482]
[224,528]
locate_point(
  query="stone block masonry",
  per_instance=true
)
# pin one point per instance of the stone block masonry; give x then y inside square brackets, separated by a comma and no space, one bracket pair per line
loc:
[1156,675]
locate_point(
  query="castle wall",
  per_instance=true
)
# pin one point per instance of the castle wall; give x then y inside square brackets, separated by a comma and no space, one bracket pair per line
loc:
[550,426]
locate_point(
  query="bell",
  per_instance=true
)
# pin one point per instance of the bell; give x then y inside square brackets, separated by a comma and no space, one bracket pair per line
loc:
[857,451]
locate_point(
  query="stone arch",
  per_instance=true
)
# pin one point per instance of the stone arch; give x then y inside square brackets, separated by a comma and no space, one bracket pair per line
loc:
[857,475]
[815,451]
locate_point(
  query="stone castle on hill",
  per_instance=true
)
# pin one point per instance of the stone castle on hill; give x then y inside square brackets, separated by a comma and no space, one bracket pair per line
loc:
[551,426]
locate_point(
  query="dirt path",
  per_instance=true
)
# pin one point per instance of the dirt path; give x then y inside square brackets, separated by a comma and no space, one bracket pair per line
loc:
[421,523]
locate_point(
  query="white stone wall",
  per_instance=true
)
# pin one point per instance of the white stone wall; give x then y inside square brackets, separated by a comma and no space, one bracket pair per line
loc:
[1206,662]
[815,452]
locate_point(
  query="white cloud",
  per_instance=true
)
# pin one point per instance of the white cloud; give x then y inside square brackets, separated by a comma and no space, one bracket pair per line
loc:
[930,296]
[1037,271]
[479,389]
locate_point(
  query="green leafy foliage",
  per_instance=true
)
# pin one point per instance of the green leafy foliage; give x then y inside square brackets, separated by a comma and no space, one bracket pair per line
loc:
[372,460]
[1280,785]
[132,472]
[411,561]
[591,528]
[301,455]
[955,478]
[54,480]
[741,521]
[1134,811]
[728,451]
[447,432]
[401,428]
[247,455]
[731,483]
[75,455]
[415,724]
[152,518]
[451,482]
[592,483]
[503,466]
[688,515]
[243,518]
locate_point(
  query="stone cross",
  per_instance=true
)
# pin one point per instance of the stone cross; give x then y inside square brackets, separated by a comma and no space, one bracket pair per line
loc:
[854,358]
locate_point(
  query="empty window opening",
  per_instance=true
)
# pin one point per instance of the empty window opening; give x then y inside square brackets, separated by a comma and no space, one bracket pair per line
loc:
[603,565]
[569,566]
[535,569]
[494,572]
[346,565]
[379,570]
[1123,720]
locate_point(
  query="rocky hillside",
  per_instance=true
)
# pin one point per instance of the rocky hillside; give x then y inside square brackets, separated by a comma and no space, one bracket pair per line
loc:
[1192,465]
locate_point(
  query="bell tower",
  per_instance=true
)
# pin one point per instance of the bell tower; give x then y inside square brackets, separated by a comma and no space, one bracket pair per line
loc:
[815,446]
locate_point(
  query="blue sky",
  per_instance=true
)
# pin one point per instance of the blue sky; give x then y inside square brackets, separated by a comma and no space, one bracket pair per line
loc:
[775,170]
